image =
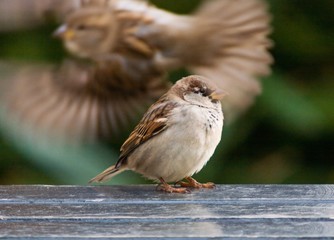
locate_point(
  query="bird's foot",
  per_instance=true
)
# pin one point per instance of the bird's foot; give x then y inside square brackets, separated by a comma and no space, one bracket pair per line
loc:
[194,184]
[165,187]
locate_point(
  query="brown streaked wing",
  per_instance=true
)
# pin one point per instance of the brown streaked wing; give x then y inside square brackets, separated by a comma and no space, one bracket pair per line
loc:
[154,122]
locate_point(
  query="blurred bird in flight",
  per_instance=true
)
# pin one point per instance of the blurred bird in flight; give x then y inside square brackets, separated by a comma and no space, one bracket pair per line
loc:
[121,52]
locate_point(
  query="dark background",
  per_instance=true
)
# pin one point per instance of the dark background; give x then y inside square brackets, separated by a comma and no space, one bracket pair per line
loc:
[286,137]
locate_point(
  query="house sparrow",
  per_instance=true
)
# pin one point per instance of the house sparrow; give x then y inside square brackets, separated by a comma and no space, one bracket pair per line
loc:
[130,46]
[224,40]
[176,136]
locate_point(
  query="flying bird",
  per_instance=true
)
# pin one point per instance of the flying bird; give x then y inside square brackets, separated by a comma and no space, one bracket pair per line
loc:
[225,40]
[121,52]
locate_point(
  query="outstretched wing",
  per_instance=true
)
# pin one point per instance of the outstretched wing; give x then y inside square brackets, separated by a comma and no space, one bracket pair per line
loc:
[77,101]
[17,14]
[239,38]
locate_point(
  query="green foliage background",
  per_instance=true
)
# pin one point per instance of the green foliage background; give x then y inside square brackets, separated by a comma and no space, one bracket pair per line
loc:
[286,137]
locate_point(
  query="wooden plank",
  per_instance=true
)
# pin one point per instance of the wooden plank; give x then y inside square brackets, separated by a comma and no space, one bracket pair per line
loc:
[13,212]
[231,211]
[166,229]
[135,193]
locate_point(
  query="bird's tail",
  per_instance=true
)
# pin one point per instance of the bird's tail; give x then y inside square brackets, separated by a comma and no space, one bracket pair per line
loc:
[235,49]
[107,174]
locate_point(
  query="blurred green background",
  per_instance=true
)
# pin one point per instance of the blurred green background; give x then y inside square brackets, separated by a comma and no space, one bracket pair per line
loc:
[286,137]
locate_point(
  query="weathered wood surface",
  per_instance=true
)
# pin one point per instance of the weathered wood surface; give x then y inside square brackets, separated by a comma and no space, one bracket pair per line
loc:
[231,211]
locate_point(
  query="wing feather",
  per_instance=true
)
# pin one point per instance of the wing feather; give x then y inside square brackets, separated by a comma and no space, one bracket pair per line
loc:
[154,122]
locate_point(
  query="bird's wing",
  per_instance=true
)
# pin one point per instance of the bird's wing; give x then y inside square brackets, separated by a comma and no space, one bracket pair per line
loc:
[77,101]
[224,40]
[18,14]
[153,123]
[240,33]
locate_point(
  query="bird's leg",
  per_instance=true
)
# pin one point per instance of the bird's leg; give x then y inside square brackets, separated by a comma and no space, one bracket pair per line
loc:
[194,184]
[164,186]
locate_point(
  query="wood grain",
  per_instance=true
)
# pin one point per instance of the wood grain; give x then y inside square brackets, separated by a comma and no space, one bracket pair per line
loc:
[231,211]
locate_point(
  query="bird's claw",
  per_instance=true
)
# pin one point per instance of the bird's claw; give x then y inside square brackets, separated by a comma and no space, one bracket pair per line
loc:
[165,187]
[169,189]
[192,183]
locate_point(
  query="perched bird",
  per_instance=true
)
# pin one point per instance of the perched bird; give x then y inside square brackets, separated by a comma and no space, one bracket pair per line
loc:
[124,49]
[176,136]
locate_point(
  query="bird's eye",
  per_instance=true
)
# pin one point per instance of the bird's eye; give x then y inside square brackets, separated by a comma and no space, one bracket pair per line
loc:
[81,27]
[202,90]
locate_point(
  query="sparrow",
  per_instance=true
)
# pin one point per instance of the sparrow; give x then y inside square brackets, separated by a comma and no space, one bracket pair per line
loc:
[122,51]
[176,136]
[224,40]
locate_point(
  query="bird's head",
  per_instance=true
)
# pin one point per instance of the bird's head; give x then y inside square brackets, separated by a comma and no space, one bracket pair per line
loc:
[88,32]
[199,90]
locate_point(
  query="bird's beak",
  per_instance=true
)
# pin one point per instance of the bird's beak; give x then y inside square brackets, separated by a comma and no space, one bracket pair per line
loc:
[218,94]
[63,32]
